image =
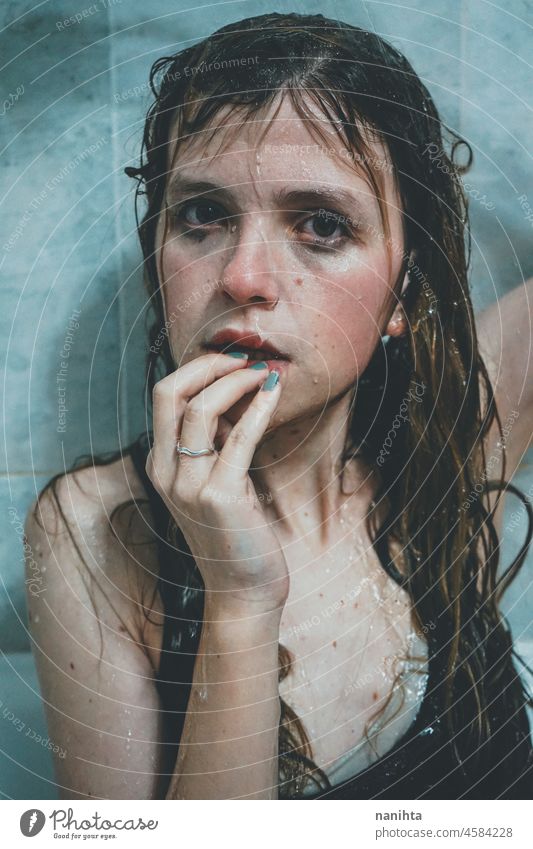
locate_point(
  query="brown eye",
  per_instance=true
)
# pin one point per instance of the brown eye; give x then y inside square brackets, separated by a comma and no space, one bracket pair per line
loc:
[326,228]
[200,214]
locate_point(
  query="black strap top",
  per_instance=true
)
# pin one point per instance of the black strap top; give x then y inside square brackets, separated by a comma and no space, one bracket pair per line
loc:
[423,764]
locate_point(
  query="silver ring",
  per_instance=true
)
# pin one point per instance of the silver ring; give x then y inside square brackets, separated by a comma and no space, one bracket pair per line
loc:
[181,449]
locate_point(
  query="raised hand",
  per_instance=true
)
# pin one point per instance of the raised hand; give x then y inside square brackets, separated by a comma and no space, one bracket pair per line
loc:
[212,497]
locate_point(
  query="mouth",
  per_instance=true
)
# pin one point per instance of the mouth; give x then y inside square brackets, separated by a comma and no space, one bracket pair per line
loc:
[253,353]
[256,348]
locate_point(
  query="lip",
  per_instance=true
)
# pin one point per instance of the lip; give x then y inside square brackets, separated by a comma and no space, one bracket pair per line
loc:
[224,338]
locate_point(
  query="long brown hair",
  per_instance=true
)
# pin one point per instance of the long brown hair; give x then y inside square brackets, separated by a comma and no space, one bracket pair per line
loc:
[435,459]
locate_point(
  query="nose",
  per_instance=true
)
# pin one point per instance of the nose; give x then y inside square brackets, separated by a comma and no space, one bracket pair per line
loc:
[250,276]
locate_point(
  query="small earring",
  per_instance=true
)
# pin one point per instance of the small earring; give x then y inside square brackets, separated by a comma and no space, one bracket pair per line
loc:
[397,318]
[397,322]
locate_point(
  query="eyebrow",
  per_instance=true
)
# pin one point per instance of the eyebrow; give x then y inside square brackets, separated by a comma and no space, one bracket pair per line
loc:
[322,195]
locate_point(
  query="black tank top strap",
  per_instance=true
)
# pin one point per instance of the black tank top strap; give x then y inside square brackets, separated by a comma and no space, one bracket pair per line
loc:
[174,676]
[139,451]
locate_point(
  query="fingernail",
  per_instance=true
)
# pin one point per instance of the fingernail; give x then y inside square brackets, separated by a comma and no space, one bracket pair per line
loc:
[260,364]
[240,354]
[271,381]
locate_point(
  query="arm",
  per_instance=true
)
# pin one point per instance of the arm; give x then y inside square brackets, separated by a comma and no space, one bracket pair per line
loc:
[96,681]
[229,748]
[505,336]
[229,745]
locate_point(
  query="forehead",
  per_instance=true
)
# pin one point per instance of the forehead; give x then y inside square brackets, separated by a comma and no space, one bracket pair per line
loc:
[278,144]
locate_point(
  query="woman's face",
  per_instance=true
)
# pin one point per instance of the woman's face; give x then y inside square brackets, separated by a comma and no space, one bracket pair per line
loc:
[282,238]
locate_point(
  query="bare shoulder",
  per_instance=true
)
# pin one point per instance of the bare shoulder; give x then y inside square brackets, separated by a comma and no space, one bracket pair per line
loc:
[97,568]
[504,329]
[95,525]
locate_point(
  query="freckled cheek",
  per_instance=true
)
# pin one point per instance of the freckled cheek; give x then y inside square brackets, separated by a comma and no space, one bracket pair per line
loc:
[350,328]
[184,298]
[177,275]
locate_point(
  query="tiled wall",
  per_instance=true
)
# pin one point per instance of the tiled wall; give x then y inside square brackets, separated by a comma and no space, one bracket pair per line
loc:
[74,96]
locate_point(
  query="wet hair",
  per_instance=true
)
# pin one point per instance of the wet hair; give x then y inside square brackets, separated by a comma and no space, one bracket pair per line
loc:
[433,481]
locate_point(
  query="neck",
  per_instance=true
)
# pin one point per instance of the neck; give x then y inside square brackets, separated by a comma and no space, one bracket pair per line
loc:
[300,481]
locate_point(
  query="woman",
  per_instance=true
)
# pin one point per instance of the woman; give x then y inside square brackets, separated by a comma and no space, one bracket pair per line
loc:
[293,577]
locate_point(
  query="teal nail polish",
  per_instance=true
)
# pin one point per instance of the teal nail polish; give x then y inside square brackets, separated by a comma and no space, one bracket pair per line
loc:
[240,354]
[260,364]
[271,381]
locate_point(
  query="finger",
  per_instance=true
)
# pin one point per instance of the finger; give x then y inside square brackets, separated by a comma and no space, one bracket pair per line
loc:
[171,394]
[241,444]
[202,414]
[223,431]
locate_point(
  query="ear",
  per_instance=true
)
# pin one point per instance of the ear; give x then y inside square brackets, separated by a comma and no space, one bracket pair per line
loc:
[397,324]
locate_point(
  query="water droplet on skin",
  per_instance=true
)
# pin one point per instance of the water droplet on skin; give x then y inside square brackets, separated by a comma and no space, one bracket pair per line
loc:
[202,694]
[233,228]
[315,380]
[257,327]
[35,618]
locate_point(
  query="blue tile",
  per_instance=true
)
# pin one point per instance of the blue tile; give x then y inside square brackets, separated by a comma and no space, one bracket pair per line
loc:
[26,769]
[518,599]
[496,86]
[16,495]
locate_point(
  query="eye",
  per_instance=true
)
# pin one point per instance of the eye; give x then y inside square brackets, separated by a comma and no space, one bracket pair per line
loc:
[326,227]
[198,215]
